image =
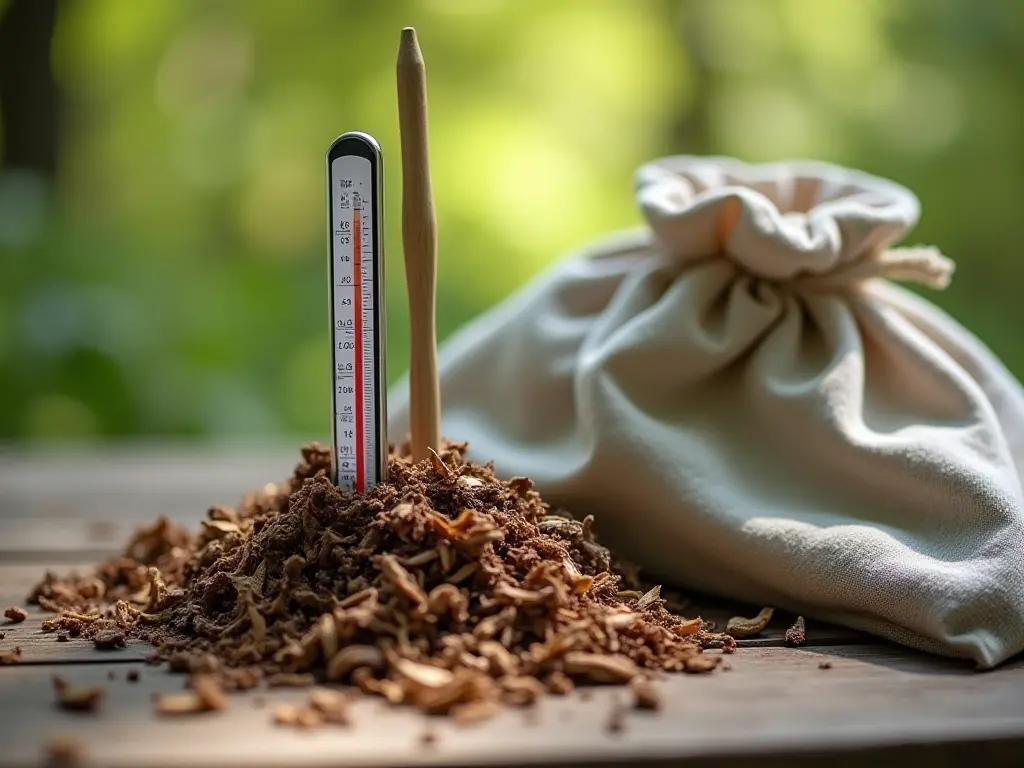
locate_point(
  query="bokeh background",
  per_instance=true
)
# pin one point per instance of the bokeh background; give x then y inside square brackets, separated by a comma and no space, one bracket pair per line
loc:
[162,199]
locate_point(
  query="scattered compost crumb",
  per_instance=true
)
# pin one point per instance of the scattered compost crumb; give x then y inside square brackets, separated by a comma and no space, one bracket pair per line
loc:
[331,704]
[326,707]
[108,639]
[205,695]
[616,717]
[133,676]
[824,665]
[444,588]
[62,637]
[703,663]
[428,737]
[726,666]
[15,614]
[797,634]
[12,656]
[3,635]
[63,750]
[646,696]
[81,698]
[740,627]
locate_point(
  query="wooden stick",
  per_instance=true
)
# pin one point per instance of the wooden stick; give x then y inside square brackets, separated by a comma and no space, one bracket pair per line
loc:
[419,242]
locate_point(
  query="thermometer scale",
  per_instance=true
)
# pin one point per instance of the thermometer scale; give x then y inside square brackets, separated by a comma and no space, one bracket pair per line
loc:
[355,184]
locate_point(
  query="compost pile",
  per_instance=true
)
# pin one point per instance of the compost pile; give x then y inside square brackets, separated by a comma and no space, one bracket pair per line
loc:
[445,588]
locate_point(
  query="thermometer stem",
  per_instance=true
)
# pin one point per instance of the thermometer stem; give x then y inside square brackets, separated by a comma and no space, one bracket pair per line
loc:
[357,279]
[355,178]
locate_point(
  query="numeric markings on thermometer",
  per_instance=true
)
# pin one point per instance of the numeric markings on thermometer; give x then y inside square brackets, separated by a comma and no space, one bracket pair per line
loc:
[355,346]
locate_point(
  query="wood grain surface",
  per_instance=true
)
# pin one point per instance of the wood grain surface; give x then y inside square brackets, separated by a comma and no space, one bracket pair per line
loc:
[772,702]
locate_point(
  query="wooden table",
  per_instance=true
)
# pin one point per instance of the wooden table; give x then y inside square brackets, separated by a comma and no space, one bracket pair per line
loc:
[62,510]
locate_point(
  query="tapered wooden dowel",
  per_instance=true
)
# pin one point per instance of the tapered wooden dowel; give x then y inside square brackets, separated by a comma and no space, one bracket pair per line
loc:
[419,242]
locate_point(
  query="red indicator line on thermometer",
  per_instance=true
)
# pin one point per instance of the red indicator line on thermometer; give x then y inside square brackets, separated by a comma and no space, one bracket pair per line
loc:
[357,284]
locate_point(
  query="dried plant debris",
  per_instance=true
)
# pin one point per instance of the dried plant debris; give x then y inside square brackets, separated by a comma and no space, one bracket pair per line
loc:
[326,707]
[645,695]
[15,614]
[205,695]
[740,627]
[616,722]
[109,639]
[80,698]
[12,656]
[63,750]
[797,634]
[444,588]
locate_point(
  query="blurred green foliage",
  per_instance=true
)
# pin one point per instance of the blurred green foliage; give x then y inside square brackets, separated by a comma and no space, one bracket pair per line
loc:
[173,281]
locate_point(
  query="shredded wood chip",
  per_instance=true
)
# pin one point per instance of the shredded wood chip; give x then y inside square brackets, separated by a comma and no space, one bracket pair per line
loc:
[463,573]
[208,689]
[601,668]
[108,639]
[257,624]
[440,466]
[219,528]
[645,695]
[420,559]
[620,620]
[353,657]
[205,695]
[64,749]
[649,599]
[82,698]
[691,627]
[186,703]
[15,614]
[425,675]
[157,590]
[740,627]
[333,705]
[797,634]
[402,580]
[701,663]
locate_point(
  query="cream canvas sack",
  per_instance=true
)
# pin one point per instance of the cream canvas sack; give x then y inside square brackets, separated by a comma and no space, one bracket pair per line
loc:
[750,407]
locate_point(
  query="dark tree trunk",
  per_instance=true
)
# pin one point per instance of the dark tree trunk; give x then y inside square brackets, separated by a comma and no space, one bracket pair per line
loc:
[28,92]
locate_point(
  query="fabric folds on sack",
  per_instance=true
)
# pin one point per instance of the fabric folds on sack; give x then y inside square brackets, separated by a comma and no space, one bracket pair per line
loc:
[750,406]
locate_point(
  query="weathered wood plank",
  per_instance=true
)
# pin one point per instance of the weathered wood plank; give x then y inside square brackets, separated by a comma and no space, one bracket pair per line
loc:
[134,482]
[774,702]
[40,647]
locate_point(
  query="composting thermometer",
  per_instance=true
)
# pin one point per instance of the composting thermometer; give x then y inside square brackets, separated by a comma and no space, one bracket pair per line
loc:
[355,179]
